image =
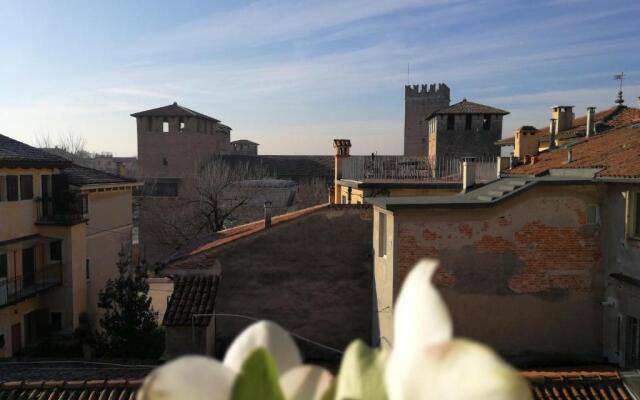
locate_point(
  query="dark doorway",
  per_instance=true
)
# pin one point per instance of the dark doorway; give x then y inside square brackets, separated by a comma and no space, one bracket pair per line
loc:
[28,267]
[16,339]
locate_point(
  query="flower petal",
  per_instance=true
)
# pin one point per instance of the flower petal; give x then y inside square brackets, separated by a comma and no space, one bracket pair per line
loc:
[456,370]
[189,377]
[305,382]
[420,317]
[270,336]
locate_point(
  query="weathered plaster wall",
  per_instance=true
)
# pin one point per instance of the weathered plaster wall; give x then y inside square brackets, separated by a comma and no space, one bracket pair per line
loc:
[524,276]
[621,256]
[312,275]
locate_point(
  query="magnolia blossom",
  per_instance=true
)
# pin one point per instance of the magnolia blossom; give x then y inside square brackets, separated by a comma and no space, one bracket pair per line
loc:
[426,362]
[198,377]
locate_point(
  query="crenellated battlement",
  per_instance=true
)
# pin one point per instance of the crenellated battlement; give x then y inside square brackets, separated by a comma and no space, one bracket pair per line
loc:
[427,90]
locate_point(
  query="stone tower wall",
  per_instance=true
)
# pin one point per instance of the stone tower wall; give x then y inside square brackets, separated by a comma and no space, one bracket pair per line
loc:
[419,102]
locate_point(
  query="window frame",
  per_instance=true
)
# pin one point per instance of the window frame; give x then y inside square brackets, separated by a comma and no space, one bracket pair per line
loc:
[468,122]
[633,220]
[51,253]
[451,122]
[26,186]
[13,185]
[486,122]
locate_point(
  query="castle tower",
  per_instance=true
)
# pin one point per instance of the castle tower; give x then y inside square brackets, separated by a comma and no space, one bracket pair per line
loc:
[419,102]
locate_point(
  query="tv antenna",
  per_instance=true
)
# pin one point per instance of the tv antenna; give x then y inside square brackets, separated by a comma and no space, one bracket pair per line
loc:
[619,77]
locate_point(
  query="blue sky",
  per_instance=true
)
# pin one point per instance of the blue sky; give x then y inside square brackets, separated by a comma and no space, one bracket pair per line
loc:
[292,75]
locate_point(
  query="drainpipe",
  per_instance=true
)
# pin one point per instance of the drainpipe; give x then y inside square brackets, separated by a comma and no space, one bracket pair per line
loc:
[591,112]
[267,214]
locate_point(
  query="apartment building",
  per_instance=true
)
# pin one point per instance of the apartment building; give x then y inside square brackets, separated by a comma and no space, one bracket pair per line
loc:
[61,228]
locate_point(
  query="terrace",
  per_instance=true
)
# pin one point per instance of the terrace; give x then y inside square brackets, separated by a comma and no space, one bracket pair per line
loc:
[18,288]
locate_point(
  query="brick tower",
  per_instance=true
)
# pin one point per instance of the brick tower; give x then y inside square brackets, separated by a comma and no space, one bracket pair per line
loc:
[419,102]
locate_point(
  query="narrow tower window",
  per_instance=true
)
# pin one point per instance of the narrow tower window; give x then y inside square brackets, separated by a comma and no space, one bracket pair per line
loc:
[467,122]
[451,122]
[486,122]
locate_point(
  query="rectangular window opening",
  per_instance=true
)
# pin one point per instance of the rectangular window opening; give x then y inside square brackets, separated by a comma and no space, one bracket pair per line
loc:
[87,269]
[149,124]
[56,321]
[181,124]
[12,188]
[3,195]
[165,126]
[486,122]
[26,187]
[55,251]
[467,122]
[451,122]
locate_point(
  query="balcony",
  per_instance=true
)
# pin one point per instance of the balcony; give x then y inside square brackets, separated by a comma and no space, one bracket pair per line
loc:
[15,289]
[387,169]
[67,209]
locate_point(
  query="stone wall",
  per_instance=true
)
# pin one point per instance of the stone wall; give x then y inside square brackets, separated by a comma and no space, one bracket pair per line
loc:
[312,275]
[460,141]
[419,102]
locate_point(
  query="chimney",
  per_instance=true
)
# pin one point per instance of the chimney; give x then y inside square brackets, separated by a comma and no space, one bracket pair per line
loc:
[526,142]
[267,214]
[342,148]
[468,173]
[591,123]
[120,168]
[563,116]
[553,126]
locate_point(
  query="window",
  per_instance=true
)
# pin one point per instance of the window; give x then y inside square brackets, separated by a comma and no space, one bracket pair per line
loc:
[593,214]
[467,122]
[451,122]
[2,189]
[633,224]
[55,251]
[87,269]
[26,187]
[12,188]
[161,188]
[486,122]
[344,199]
[382,234]
[149,123]
[56,321]
[165,126]
[181,124]
[3,266]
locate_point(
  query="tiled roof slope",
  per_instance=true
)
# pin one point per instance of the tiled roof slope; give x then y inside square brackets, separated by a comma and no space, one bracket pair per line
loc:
[583,385]
[16,154]
[79,176]
[173,110]
[469,107]
[289,167]
[192,294]
[617,151]
[59,390]
[613,117]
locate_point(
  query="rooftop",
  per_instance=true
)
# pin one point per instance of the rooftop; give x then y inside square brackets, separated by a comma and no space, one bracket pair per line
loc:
[288,167]
[244,141]
[616,154]
[468,107]
[173,110]
[613,117]
[192,294]
[80,176]
[15,154]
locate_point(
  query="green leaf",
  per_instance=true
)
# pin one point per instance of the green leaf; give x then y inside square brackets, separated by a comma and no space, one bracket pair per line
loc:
[258,379]
[361,374]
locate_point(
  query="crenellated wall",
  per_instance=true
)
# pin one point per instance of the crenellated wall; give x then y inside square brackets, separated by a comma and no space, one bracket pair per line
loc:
[419,102]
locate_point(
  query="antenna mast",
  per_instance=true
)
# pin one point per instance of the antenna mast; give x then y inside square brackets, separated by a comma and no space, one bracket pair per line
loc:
[619,77]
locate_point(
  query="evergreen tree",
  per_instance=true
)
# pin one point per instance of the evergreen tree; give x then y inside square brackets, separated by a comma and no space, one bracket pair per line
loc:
[129,327]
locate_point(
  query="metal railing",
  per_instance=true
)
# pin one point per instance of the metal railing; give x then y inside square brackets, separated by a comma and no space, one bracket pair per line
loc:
[64,209]
[422,169]
[17,288]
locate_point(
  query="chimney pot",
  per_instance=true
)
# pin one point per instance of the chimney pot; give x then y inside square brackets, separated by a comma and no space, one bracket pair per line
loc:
[468,173]
[591,123]
[553,129]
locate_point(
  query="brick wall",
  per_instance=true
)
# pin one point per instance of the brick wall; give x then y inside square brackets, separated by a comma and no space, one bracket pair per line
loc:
[524,276]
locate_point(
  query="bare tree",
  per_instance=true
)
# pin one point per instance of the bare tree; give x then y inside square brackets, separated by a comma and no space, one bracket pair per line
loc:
[208,200]
[69,145]
[312,191]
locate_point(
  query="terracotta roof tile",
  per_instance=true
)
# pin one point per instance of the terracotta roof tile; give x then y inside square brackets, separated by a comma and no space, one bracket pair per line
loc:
[54,390]
[613,117]
[173,110]
[617,152]
[192,294]
[583,385]
[469,107]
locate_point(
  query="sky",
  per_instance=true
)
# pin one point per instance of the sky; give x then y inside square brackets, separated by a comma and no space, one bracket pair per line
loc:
[293,75]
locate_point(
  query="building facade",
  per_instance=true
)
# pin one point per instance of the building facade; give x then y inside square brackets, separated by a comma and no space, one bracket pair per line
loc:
[54,232]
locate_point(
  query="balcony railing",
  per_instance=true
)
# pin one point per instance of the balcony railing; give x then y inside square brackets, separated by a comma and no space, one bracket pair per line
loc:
[15,289]
[414,169]
[68,208]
